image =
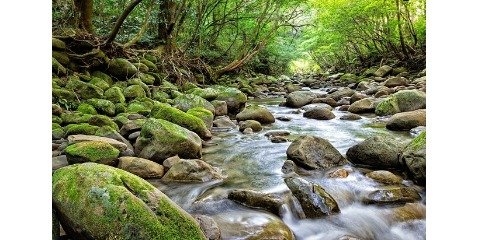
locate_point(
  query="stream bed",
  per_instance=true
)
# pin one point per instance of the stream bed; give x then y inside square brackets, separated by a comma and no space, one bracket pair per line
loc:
[253,162]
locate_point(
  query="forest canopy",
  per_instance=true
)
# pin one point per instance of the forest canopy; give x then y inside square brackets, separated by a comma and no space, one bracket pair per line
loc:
[264,36]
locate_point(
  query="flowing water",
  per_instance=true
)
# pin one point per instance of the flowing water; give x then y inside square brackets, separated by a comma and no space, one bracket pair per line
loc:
[254,162]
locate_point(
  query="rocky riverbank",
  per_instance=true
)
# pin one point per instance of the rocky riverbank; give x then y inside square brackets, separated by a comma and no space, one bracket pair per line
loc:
[118,124]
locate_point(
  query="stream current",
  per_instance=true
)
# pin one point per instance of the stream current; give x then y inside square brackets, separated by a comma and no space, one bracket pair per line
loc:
[253,162]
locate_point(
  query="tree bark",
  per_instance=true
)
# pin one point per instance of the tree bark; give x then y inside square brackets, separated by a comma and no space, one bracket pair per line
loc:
[84,13]
[120,21]
[166,24]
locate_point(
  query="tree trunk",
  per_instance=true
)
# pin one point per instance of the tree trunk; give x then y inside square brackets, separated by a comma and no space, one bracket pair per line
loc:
[166,24]
[120,21]
[401,37]
[84,13]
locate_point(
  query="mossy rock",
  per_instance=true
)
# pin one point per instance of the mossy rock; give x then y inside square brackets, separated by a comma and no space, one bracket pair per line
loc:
[83,89]
[96,201]
[105,131]
[64,94]
[151,58]
[120,108]
[75,117]
[134,91]
[414,157]
[121,68]
[102,106]
[255,112]
[115,95]
[138,81]
[58,44]
[81,128]
[56,125]
[253,124]
[160,139]
[206,93]
[174,115]
[56,109]
[204,114]
[121,84]
[234,98]
[102,120]
[147,78]
[141,67]
[388,106]
[100,83]
[188,86]
[86,108]
[58,68]
[160,96]
[57,119]
[58,133]
[92,151]
[103,76]
[369,72]
[62,57]
[138,107]
[186,102]
[149,64]
[167,86]
[121,119]
[410,100]
[348,78]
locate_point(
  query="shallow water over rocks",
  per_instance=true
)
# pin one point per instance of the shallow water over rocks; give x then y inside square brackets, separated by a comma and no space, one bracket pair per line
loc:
[254,162]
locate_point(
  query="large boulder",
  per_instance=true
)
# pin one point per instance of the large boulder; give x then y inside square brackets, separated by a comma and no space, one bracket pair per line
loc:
[341,92]
[234,98]
[115,95]
[299,98]
[406,121]
[223,122]
[313,152]
[192,170]
[383,71]
[92,151]
[366,105]
[186,102]
[395,81]
[204,114]
[141,167]
[176,116]
[255,112]
[83,89]
[102,106]
[160,139]
[377,152]
[206,93]
[121,68]
[414,157]
[319,114]
[402,101]
[314,200]
[270,202]
[95,201]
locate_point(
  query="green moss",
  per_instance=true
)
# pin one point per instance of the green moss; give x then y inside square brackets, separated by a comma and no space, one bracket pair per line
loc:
[349,78]
[58,133]
[120,107]
[151,58]
[388,106]
[58,44]
[134,91]
[410,100]
[75,117]
[121,84]
[160,96]
[86,109]
[102,106]
[56,109]
[57,119]
[141,67]
[188,86]
[119,204]
[100,83]
[59,93]
[121,119]
[147,78]
[206,93]
[102,120]
[91,151]
[103,76]
[417,143]
[115,95]
[204,114]
[121,68]
[138,107]
[83,89]
[81,128]
[139,82]
[149,64]
[105,131]
[166,112]
[56,125]
[188,101]
[62,57]
[167,86]
[58,68]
